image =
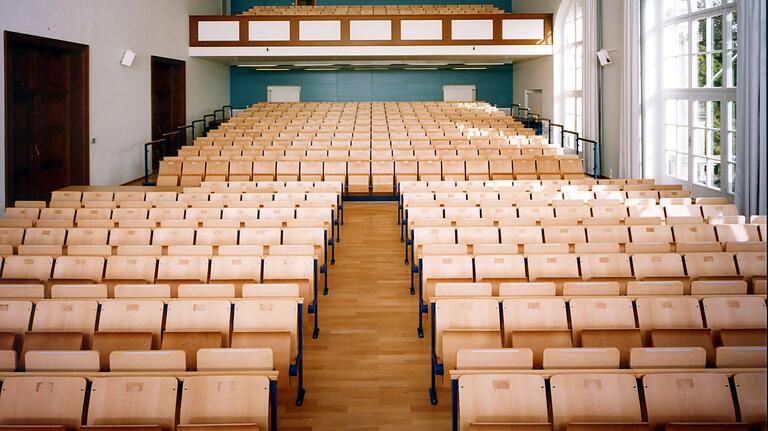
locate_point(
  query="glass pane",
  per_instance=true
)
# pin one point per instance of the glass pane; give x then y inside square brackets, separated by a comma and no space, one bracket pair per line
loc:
[717,69]
[714,177]
[733,69]
[672,163]
[682,112]
[716,30]
[700,27]
[731,42]
[682,139]
[714,114]
[699,142]
[682,167]
[731,178]
[715,142]
[732,116]
[670,139]
[700,171]
[700,69]
[700,113]
[732,147]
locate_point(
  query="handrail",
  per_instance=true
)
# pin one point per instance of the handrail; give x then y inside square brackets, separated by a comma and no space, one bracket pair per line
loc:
[594,154]
[151,145]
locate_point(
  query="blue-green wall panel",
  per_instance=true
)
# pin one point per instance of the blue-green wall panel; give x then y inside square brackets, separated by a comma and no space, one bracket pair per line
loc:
[248,86]
[239,6]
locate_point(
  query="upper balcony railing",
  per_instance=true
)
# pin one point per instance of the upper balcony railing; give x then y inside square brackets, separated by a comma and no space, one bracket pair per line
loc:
[532,31]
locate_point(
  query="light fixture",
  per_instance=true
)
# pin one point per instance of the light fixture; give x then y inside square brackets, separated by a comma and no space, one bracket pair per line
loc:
[278,69]
[420,68]
[427,64]
[314,64]
[470,68]
[370,68]
[257,65]
[484,64]
[320,69]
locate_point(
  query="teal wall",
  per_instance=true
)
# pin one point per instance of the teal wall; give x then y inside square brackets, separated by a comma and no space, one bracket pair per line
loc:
[248,86]
[239,6]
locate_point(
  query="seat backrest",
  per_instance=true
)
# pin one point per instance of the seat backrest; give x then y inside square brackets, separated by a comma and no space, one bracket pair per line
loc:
[594,398]
[236,268]
[240,359]
[45,236]
[173,236]
[65,315]
[79,268]
[733,312]
[130,236]
[494,359]
[688,397]
[182,268]
[42,400]
[225,400]
[131,268]
[601,313]
[260,236]
[751,264]
[534,313]
[657,265]
[135,400]
[27,267]
[668,312]
[502,397]
[199,315]
[128,315]
[751,395]
[465,313]
[651,233]
[15,316]
[544,266]
[87,236]
[260,314]
[609,265]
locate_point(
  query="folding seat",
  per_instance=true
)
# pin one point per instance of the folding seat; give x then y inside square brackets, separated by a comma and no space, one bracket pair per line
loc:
[201,214]
[237,270]
[571,168]
[269,323]
[718,210]
[430,170]
[659,267]
[558,268]
[731,233]
[693,211]
[521,235]
[14,322]
[477,235]
[536,324]
[565,235]
[78,269]
[358,176]
[524,169]
[453,170]
[169,172]
[406,170]
[128,325]
[27,269]
[609,211]
[606,267]
[478,170]
[241,402]
[709,266]
[443,269]
[45,236]
[681,401]
[751,397]
[193,324]
[173,236]
[260,236]
[660,357]
[335,171]
[277,213]
[469,323]
[581,358]
[737,320]
[216,170]
[295,269]
[596,401]
[61,325]
[52,361]
[660,236]
[752,266]
[263,170]
[61,195]
[175,270]
[240,169]
[534,210]
[674,322]
[494,359]
[316,237]
[14,213]
[42,402]
[430,235]
[192,172]
[12,236]
[287,170]
[491,401]
[235,359]
[142,400]
[605,322]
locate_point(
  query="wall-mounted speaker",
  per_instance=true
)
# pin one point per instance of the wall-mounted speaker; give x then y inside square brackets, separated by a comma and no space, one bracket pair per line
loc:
[604,57]
[127,58]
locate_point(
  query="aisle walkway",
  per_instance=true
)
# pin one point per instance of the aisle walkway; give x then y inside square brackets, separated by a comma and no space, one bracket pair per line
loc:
[368,370]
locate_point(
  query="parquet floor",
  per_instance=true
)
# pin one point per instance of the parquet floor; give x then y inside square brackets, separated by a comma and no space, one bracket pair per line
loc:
[368,370]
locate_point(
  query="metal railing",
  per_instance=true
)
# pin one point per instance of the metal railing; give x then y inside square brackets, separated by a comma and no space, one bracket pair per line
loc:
[170,142]
[557,134]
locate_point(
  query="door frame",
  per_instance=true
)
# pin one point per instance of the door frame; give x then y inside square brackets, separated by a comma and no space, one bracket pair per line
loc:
[80,146]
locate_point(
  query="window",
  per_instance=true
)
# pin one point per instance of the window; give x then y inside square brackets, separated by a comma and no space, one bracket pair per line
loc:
[573,66]
[698,54]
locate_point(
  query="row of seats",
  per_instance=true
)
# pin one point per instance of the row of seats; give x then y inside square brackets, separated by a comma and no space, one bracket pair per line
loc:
[604,267]
[364,141]
[359,174]
[140,402]
[603,330]
[394,9]
[272,152]
[598,400]
[268,317]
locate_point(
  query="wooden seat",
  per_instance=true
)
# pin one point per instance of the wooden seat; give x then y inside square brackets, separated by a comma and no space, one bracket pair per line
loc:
[668,357]
[737,320]
[605,322]
[536,324]
[128,325]
[598,401]
[704,266]
[27,268]
[235,359]
[193,324]
[494,359]
[498,269]
[558,268]
[456,269]
[75,269]
[465,324]
[674,322]
[688,398]
[133,401]
[147,361]
[502,399]
[659,267]
[241,401]
[52,361]
[751,397]
[43,401]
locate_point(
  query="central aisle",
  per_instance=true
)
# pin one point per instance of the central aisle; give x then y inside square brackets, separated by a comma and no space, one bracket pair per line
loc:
[368,370]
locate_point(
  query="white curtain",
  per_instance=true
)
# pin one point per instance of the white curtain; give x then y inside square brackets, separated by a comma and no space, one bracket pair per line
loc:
[751,153]
[629,126]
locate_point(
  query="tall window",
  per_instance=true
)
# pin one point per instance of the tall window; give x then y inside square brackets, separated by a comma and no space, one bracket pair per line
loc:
[573,66]
[699,91]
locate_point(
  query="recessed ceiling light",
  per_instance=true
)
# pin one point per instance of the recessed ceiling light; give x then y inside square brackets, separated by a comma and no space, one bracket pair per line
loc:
[420,68]
[320,69]
[314,64]
[272,70]
[370,68]
[427,64]
[470,68]
[256,65]
[484,64]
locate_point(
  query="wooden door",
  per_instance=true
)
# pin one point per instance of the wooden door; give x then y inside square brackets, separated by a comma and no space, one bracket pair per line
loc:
[46,116]
[168,95]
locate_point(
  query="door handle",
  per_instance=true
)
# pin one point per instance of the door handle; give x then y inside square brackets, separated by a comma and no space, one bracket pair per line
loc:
[37,150]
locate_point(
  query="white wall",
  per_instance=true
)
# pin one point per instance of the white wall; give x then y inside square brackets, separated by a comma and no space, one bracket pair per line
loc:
[534,74]
[120,97]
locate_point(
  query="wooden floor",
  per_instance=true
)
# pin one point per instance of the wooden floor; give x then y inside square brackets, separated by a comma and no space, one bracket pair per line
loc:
[368,370]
